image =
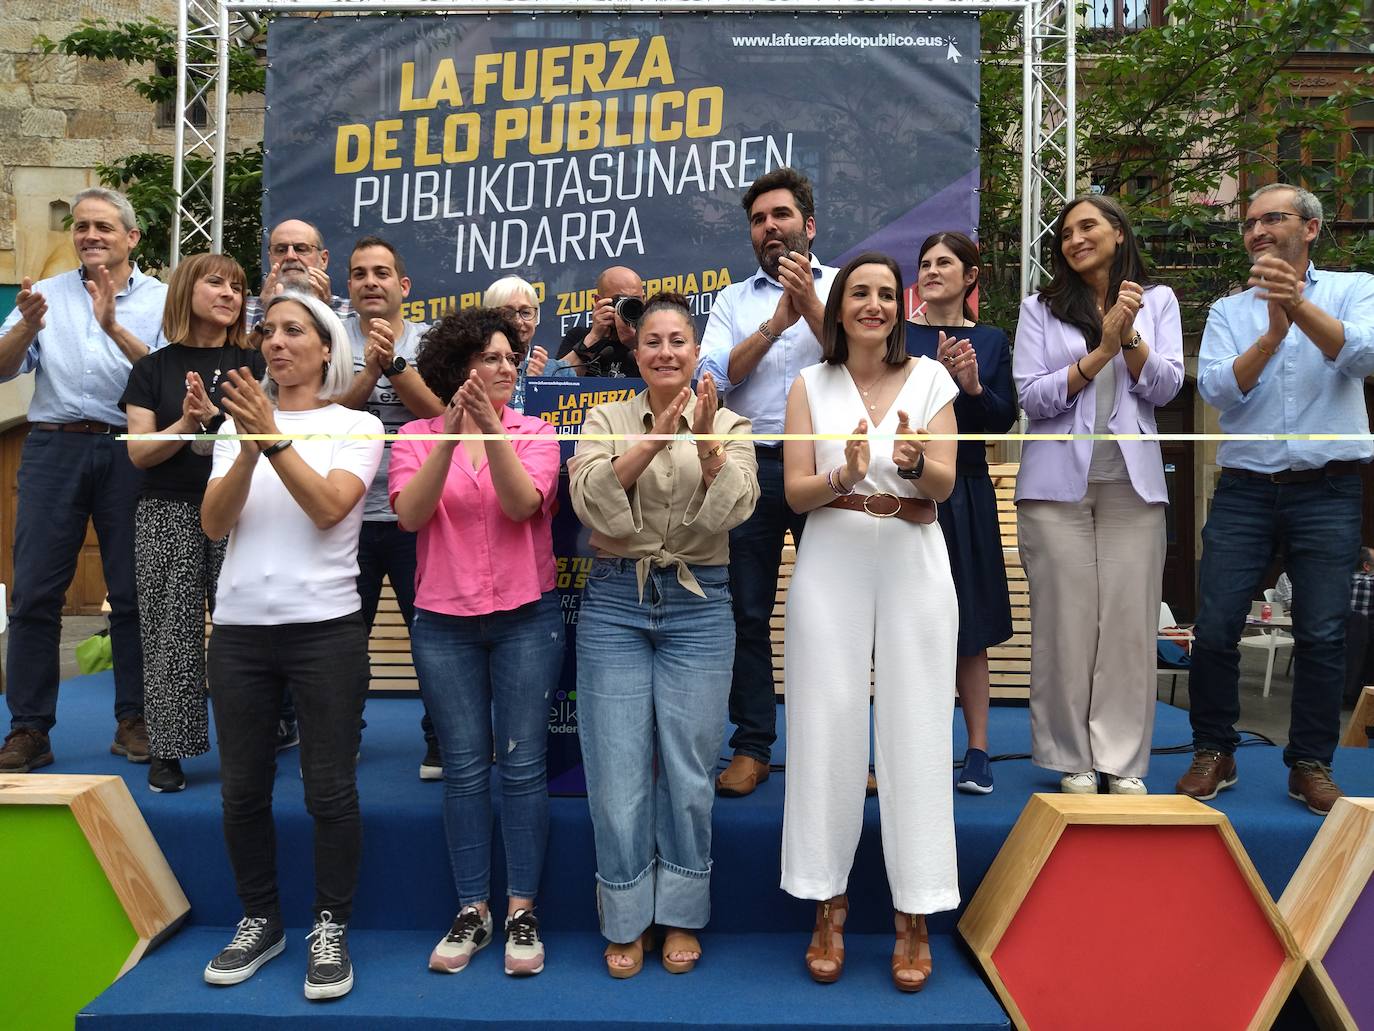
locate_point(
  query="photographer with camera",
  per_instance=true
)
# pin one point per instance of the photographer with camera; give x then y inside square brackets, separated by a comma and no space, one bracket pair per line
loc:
[606,347]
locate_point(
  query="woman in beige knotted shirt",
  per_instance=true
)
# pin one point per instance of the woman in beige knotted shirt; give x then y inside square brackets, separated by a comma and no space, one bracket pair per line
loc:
[656,638]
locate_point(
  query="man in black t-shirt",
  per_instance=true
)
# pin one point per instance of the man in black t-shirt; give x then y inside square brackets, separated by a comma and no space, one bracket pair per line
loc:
[606,347]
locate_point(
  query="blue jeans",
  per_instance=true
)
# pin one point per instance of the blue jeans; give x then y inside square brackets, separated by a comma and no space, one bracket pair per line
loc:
[66,479]
[476,671]
[755,556]
[652,677]
[1315,527]
[385,550]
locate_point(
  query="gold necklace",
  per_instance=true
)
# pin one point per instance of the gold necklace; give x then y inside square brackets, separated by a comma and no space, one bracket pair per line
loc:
[864,391]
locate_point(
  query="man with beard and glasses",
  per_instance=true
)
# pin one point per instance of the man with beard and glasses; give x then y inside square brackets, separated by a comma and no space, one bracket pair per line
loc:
[298,259]
[762,332]
[1287,356]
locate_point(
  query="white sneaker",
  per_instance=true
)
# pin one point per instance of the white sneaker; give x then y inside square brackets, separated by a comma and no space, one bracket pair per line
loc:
[471,931]
[1079,783]
[1126,785]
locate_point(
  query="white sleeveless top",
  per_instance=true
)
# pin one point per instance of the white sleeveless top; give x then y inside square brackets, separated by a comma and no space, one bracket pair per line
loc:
[836,407]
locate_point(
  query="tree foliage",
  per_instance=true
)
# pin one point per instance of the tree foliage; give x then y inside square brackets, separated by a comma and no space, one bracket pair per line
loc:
[149,47]
[1169,117]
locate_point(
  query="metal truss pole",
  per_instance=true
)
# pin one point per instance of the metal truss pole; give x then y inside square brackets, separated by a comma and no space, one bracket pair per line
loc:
[1049,158]
[204,32]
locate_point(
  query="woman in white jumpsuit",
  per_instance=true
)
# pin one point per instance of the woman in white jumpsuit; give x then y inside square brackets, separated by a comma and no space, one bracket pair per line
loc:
[872,566]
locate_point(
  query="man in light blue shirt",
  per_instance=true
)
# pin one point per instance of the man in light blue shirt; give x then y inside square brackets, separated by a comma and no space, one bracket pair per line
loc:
[762,332]
[1287,356]
[79,333]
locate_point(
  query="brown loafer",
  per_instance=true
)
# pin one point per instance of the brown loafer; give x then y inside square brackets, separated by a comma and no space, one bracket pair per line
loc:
[741,777]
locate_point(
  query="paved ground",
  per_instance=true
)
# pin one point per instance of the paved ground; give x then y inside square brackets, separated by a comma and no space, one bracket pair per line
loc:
[1267,716]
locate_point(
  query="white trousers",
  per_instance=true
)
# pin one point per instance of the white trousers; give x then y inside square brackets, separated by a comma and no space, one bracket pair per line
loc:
[870,595]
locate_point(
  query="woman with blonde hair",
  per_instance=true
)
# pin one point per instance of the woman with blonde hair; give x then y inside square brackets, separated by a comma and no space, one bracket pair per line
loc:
[519,302]
[176,390]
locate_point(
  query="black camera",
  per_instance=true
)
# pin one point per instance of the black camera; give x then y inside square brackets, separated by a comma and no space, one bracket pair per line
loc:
[629,309]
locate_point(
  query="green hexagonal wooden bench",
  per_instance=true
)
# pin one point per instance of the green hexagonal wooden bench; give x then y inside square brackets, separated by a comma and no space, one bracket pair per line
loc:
[1111,911]
[1329,904]
[84,893]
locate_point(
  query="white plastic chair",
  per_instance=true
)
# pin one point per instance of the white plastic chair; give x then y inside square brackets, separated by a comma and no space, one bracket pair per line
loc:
[1166,619]
[1271,639]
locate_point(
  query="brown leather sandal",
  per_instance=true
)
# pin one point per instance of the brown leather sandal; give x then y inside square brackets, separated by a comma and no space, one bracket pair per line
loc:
[827,943]
[634,949]
[678,939]
[911,954]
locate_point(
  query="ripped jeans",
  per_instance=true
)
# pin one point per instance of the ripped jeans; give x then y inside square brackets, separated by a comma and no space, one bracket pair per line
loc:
[479,673]
[653,683]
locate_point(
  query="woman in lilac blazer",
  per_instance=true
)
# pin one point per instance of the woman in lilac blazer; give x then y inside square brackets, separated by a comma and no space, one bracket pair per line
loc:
[1097,350]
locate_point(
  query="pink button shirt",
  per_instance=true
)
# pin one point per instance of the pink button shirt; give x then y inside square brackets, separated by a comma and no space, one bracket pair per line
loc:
[471,560]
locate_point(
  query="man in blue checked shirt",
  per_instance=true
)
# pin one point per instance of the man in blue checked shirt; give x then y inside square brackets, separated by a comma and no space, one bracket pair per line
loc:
[79,333]
[1289,356]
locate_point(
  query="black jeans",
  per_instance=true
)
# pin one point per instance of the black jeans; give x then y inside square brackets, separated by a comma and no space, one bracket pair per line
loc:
[755,555]
[385,550]
[325,667]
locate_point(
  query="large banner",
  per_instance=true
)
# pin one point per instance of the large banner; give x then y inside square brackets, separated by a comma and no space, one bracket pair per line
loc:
[551,147]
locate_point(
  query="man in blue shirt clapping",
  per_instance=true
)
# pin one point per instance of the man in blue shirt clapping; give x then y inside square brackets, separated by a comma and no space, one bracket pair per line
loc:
[1287,356]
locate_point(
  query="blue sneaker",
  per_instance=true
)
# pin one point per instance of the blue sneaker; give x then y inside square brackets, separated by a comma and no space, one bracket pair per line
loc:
[976,776]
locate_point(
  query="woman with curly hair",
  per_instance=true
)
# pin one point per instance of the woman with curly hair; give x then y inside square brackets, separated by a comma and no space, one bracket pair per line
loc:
[488,630]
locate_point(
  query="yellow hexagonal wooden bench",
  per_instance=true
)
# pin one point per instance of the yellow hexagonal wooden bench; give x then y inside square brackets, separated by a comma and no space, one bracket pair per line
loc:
[84,893]
[1329,904]
[1112,911]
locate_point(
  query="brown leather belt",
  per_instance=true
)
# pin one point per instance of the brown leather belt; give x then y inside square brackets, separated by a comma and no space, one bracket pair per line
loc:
[84,426]
[885,506]
[1296,475]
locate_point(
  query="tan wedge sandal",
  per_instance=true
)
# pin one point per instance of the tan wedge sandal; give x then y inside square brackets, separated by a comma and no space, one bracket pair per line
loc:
[911,963]
[827,942]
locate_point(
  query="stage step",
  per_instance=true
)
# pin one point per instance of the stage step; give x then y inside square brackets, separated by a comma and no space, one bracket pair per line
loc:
[744,981]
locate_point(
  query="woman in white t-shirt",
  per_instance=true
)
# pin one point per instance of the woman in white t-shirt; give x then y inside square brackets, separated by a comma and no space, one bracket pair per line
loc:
[287,616]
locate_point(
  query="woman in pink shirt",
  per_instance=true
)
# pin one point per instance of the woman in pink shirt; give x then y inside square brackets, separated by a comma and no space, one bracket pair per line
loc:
[488,631]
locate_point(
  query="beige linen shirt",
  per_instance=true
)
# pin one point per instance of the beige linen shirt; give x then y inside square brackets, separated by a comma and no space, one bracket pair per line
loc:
[669,517]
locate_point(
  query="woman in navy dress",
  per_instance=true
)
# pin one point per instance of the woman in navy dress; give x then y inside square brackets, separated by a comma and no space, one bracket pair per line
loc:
[979,360]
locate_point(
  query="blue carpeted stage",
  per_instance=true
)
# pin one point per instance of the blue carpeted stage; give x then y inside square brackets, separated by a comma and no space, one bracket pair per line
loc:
[752,974]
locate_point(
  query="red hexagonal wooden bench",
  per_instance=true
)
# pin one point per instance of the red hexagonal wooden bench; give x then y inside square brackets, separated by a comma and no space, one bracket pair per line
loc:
[1111,911]
[84,893]
[1329,904]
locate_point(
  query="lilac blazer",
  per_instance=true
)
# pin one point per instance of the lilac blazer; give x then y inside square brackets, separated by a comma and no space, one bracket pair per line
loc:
[1053,470]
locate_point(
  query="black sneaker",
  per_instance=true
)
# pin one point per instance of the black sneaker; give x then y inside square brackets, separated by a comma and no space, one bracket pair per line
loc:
[432,766]
[165,775]
[257,940]
[330,973]
[288,735]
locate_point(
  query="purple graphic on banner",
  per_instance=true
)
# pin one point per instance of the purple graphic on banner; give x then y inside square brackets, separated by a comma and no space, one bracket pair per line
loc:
[1347,959]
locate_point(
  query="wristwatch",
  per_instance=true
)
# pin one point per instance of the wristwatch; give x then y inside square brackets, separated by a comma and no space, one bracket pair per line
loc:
[398,365]
[914,473]
[1133,343]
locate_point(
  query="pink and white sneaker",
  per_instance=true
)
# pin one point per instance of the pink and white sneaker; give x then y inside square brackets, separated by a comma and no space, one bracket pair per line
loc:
[524,950]
[471,931]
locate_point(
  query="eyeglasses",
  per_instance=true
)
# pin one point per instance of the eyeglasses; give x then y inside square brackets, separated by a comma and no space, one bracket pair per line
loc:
[493,359]
[281,250]
[523,314]
[1269,218]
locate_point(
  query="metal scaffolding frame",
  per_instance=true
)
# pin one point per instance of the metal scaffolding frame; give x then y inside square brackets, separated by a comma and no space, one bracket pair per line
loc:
[207,28]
